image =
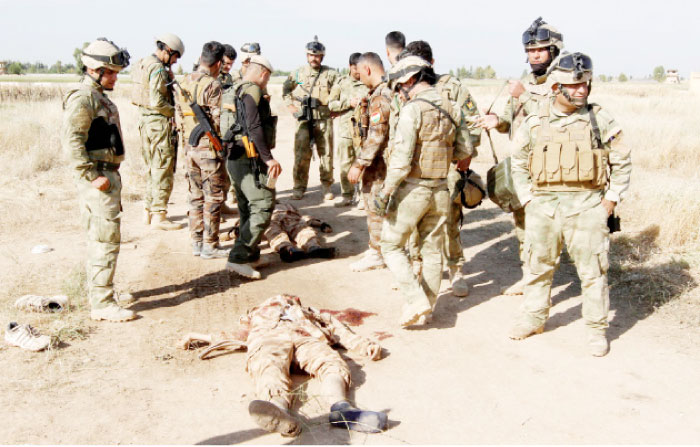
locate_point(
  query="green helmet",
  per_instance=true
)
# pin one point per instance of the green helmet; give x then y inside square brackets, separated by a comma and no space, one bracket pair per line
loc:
[173,42]
[405,69]
[315,47]
[103,53]
[571,68]
[542,35]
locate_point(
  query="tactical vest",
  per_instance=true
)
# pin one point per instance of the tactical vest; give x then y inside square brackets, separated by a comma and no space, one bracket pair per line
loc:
[141,91]
[448,87]
[569,158]
[192,88]
[539,94]
[321,89]
[229,116]
[435,144]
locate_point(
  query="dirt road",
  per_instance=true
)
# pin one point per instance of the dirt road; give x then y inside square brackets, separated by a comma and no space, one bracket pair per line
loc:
[458,380]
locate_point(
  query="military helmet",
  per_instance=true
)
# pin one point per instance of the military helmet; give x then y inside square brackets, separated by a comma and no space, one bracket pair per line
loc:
[250,48]
[571,68]
[315,47]
[103,53]
[542,35]
[172,41]
[405,69]
[471,189]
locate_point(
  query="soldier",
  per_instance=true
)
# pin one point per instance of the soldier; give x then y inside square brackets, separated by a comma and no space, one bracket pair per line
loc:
[152,78]
[344,97]
[395,43]
[252,168]
[91,137]
[225,76]
[450,87]
[205,164]
[248,50]
[280,330]
[542,44]
[369,166]
[570,169]
[306,93]
[429,135]
[294,236]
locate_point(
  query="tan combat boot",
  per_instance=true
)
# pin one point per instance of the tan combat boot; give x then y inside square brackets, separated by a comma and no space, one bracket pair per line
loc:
[327,193]
[372,259]
[524,329]
[112,313]
[245,270]
[273,418]
[160,222]
[412,313]
[459,284]
[598,344]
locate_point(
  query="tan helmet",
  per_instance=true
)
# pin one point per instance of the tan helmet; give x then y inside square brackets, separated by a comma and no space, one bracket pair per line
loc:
[405,69]
[542,35]
[571,68]
[172,41]
[250,48]
[103,53]
[261,60]
[315,47]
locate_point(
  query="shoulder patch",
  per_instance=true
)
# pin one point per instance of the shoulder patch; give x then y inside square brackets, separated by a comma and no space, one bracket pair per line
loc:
[376,117]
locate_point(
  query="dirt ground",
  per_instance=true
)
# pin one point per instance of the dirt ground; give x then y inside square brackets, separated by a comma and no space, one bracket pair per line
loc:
[459,380]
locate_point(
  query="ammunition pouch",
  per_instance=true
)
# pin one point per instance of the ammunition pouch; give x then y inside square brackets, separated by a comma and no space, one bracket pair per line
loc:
[500,187]
[104,136]
[308,104]
[269,126]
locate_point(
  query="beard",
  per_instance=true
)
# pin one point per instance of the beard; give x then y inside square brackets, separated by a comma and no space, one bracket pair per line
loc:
[539,69]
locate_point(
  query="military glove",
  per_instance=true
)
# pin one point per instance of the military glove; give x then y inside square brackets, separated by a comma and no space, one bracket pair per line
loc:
[381,203]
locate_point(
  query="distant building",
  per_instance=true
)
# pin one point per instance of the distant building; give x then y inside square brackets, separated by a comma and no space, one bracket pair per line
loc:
[3,68]
[672,76]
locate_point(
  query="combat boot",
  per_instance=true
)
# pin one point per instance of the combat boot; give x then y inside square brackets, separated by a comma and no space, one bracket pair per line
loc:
[327,193]
[210,251]
[321,252]
[345,201]
[146,217]
[524,329]
[273,419]
[297,194]
[459,284]
[371,260]
[245,270]
[413,312]
[124,298]
[160,222]
[197,248]
[291,253]
[344,415]
[112,313]
[598,344]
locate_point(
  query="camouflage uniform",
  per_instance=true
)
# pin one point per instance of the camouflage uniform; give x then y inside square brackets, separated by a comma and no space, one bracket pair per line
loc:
[100,211]
[289,228]
[156,109]
[295,87]
[342,93]
[564,210]
[371,157]
[205,167]
[282,331]
[425,142]
[227,81]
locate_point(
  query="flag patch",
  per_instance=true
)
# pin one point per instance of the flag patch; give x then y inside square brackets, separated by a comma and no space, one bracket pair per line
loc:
[376,117]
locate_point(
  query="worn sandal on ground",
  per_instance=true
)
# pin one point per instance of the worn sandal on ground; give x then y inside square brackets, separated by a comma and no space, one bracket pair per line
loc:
[273,419]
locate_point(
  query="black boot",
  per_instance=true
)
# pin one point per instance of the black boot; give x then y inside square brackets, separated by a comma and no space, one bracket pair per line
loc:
[344,415]
[291,254]
[321,252]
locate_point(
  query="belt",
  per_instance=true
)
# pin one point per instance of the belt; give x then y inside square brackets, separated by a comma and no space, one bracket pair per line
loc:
[106,166]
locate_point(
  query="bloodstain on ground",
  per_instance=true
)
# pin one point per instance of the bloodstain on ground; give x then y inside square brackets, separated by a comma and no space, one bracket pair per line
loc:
[350,316]
[379,335]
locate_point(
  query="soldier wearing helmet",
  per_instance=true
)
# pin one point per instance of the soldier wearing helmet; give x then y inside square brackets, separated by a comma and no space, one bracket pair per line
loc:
[248,50]
[306,93]
[542,43]
[430,134]
[570,168]
[153,94]
[92,139]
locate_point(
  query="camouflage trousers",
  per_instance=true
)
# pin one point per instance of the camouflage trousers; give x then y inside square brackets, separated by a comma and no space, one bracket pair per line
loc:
[347,153]
[100,213]
[370,190]
[206,178]
[283,233]
[586,236]
[455,255]
[323,137]
[271,356]
[426,209]
[519,221]
[255,206]
[158,156]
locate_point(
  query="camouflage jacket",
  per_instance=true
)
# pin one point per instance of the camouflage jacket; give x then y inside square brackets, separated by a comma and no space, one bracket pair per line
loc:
[287,215]
[619,160]
[537,89]
[82,106]
[298,83]
[160,97]
[208,96]
[284,313]
[226,80]
[373,147]
[341,95]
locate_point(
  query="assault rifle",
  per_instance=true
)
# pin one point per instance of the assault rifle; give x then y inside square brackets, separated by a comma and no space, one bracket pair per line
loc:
[203,126]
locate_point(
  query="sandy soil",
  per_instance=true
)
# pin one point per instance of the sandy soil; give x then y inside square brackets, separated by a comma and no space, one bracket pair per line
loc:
[458,380]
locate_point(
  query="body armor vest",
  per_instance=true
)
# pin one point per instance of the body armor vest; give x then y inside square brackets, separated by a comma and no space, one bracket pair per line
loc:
[191,89]
[141,91]
[433,152]
[569,158]
[229,115]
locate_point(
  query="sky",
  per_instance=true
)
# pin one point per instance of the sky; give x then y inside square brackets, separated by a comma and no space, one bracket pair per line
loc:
[625,36]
